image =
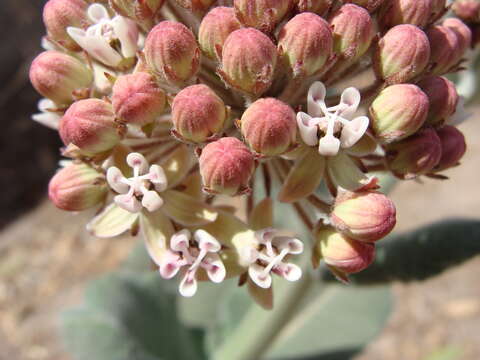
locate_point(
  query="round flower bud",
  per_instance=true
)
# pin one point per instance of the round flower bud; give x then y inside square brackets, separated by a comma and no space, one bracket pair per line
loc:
[269,127]
[446,49]
[138,10]
[414,156]
[90,125]
[353,31]
[249,58]
[56,76]
[364,216]
[453,147]
[58,15]
[398,111]
[226,166]
[342,253]
[443,98]
[195,5]
[171,52]
[261,14]
[467,10]
[77,187]
[319,7]
[463,32]
[198,113]
[370,5]
[137,99]
[402,54]
[415,12]
[305,44]
[214,30]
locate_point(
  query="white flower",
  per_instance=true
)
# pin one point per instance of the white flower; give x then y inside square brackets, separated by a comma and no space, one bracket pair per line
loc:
[142,189]
[331,121]
[269,257]
[190,255]
[97,40]
[47,116]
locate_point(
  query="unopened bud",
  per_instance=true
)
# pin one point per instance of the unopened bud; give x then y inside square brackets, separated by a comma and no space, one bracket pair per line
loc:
[195,5]
[269,127]
[353,31]
[370,5]
[402,54]
[58,15]
[305,44]
[467,10]
[249,58]
[198,113]
[214,30]
[77,187]
[90,125]
[261,14]
[416,155]
[171,52]
[446,49]
[226,166]
[342,253]
[415,12]
[319,7]
[463,32]
[57,76]
[138,10]
[137,99]
[398,112]
[364,216]
[453,147]
[443,98]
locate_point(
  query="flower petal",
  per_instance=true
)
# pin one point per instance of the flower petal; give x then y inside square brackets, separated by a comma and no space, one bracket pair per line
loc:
[354,131]
[157,176]
[177,165]
[180,240]
[128,202]
[345,173]
[114,176]
[349,100]
[308,132]
[262,215]
[294,246]
[127,33]
[111,222]
[263,297]
[291,272]
[152,201]
[258,276]
[97,12]
[137,160]
[206,241]
[216,273]
[316,95]
[48,119]
[187,210]
[170,265]
[188,285]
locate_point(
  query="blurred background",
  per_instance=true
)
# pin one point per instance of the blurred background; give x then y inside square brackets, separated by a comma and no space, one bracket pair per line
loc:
[46,258]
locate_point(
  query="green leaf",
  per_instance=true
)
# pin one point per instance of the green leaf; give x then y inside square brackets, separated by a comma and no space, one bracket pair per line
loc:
[422,253]
[129,316]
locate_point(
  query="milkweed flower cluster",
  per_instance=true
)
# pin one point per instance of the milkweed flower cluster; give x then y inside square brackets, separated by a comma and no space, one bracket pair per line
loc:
[164,106]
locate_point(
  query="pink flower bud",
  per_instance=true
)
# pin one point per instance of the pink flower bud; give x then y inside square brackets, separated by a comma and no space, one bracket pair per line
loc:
[453,147]
[261,14]
[90,125]
[171,52]
[416,155]
[305,44]
[415,12]
[446,49]
[353,31]
[319,7]
[398,111]
[342,253]
[463,32]
[214,30]
[195,5]
[77,187]
[249,58]
[57,76]
[370,5]
[364,216]
[269,127]
[443,98]
[138,10]
[467,10]
[58,15]
[137,99]
[402,54]
[198,113]
[226,166]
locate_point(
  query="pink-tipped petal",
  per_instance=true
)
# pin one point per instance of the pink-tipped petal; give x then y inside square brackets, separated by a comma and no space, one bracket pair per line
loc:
[258,276]
[350,100]
[97,13]
[308,132]
[316,95]
[128,202]
[180,240]
[291,272]
[206,241]
[188,285]
[293,245]
[170,265]
[216,272]
[353,131]
[114,176]
[157,176]
[137,160]
[152,201]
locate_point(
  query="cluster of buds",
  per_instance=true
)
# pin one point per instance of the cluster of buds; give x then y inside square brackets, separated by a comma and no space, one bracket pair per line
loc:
[161,115]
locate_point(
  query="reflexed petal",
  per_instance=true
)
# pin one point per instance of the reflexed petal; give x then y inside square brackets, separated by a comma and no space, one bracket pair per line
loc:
[351,99]
[294,246]
[263,297]
[258,276]
[187,210]
[114,176]
[127,33]
[265,235]
[262,215]
[363,147]
[291,272]
[157,230]
[177,165]
[48,119]
[180,240]
[111,222]
[316,95]
[216,273]
[328,146]
[304,177]
[308,132]
[136,159]
[188,285]
[97,13]
[156,175]
[353,131]
[152,201]
[169,265]
[206,241]
[345,173]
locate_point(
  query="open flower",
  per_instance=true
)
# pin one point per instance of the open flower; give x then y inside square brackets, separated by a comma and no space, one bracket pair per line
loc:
[331,127]
[100,39]
[188,256]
